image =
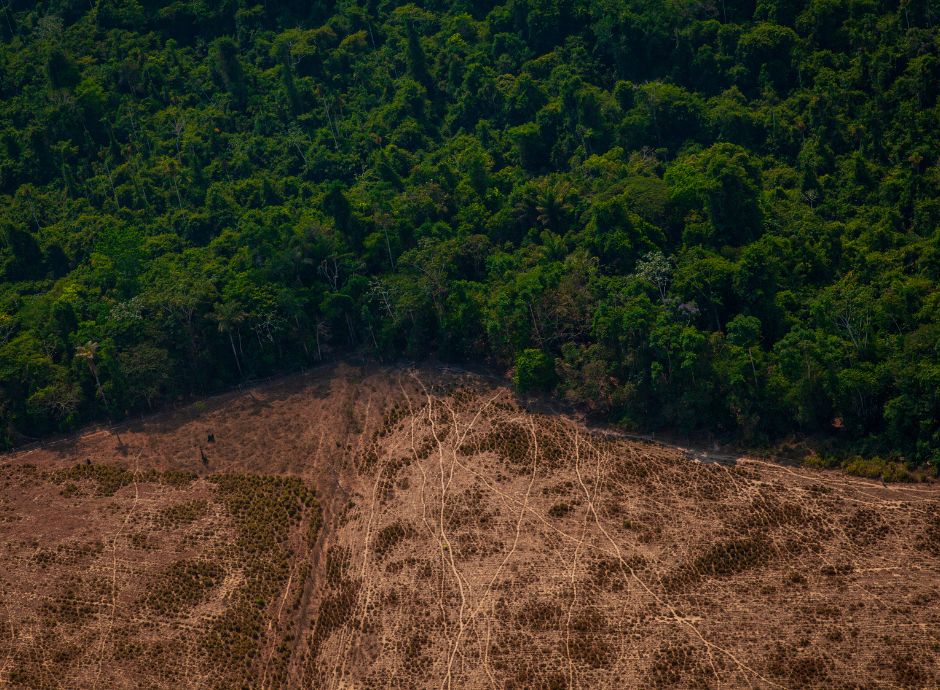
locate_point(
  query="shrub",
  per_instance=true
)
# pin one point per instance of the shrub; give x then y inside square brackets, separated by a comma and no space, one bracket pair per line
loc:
[535,371]
[877,468]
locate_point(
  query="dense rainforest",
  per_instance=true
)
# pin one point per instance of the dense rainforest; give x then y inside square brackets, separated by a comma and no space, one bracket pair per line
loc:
[717,215]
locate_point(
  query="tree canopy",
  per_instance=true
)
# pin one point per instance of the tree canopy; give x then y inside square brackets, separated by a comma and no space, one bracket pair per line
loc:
[686,215]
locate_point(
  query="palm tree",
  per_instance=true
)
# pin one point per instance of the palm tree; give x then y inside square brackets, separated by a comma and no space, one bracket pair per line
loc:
[545,203]
[228,315]
[553,206]
[88,352]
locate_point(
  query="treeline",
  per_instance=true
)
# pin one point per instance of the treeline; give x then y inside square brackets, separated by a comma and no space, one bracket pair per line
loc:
[697,215]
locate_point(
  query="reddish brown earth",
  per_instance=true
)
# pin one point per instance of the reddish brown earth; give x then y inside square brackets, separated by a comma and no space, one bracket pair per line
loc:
[458,540]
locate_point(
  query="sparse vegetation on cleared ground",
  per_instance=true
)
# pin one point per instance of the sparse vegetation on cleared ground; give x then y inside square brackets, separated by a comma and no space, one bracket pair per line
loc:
[148,578]
[456,540]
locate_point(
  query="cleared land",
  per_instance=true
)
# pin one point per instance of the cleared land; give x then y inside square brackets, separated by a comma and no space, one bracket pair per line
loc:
[394,528]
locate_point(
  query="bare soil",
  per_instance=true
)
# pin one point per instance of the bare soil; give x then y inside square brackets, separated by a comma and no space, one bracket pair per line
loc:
[457,540]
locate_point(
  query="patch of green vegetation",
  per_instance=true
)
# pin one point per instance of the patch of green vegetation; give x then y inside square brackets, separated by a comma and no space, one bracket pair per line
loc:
[183,585]
[108,479]
[265,510]
[182,513]
[868,467]
[535,371]
[878,468]
[723,558]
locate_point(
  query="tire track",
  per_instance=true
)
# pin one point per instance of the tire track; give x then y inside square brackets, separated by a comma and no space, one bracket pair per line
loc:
[114,542]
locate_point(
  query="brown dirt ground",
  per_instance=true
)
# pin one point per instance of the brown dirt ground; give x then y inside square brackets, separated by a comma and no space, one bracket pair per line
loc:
[466,542]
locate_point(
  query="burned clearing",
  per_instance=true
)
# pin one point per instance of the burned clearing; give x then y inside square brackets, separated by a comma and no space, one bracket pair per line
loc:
[130,577]
[398,528]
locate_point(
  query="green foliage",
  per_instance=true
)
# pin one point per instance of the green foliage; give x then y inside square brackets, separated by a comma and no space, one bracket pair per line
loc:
[535,371]
[717,192]
[228,69]
[698,216]
[877,468]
